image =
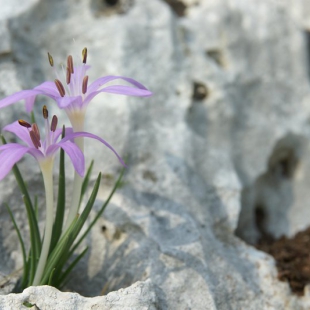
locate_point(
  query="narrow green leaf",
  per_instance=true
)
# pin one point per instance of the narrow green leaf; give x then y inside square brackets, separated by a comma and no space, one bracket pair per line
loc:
[21,241]
[60,250]
[59,258]
[74,231]
[51,277]
[28,304]
[61,203]
[34,229]
[86,181]
[100,211]
[87,209]
[35,251]
[70,268]
[36,207]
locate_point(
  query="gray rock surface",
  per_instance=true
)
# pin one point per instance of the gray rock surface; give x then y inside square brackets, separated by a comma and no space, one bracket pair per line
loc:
[140,295]
[226,133]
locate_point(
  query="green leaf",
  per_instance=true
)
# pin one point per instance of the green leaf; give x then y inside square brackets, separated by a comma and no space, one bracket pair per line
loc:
[86,181]
[36,207]
[33,224]
[21,241]
[87,209]
[28,304]
[35,243]
[61,253]
[51,277]
[61,248]
[70,268]
[118,182]
[61,203]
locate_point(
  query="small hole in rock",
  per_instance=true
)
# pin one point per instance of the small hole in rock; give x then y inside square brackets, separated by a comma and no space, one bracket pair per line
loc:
[267,216]
[200,91]
[217,56]
[111,2]
[177,6]
[103,228]
[283,163]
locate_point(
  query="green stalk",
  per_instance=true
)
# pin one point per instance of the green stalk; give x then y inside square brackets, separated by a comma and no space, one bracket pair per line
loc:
[47,172]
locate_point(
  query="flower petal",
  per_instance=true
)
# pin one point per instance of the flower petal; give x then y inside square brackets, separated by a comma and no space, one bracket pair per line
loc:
[92,136]
[73,151]
[103,80]
[20,131]
[10,154]
[29,95]
[65,102]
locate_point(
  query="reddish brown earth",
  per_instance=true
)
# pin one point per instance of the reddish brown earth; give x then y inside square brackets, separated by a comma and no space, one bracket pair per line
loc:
[292,256]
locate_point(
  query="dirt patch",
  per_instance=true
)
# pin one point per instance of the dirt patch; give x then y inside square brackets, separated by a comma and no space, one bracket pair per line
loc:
[292,256]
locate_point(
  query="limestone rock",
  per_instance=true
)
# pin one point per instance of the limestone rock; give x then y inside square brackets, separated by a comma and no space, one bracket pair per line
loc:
[225,134]
[140,295]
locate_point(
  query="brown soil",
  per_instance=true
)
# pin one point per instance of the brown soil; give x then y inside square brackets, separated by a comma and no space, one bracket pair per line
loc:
[292,256]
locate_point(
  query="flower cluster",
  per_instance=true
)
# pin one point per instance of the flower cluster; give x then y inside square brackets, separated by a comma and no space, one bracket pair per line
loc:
[49,260]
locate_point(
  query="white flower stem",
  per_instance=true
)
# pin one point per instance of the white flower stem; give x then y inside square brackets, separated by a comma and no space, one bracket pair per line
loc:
[77,122]
[47,172]
[76,193]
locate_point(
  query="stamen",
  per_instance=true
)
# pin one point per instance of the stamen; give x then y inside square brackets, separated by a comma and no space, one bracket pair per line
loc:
[70,63]
[50,59]
[54,123]
[24,123]
[84,55]
[45,112]
[36,131]
[84,84]
[35,140]
[60,88]
[68,77]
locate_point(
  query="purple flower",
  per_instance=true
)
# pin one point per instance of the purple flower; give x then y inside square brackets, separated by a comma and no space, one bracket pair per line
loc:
[75,94]
[44,149]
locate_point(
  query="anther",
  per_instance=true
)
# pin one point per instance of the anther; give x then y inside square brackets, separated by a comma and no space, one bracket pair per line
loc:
[35,140]
[54,123]
[84,55]
[45,112]
[84,84]
[24,123]
[68,77]
[50,59]
[70,63]
[36,131]
[60,88]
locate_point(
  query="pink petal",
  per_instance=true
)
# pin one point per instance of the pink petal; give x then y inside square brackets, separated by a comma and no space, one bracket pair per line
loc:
[73,151]
[120,90]
[92,136]
[10,154]
[67,101]
[103,80]
[29,95]
[20,131]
